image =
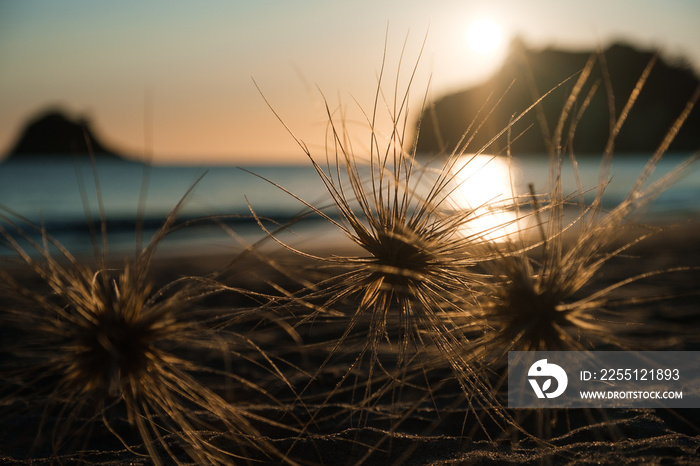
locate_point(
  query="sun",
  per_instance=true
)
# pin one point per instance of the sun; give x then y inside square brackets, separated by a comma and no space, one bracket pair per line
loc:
[484,36]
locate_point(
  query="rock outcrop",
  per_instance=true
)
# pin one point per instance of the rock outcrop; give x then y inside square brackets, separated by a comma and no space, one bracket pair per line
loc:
[528,74]
[53,134]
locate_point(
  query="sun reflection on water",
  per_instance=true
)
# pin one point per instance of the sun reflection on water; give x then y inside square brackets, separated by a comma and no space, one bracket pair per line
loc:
[487,185]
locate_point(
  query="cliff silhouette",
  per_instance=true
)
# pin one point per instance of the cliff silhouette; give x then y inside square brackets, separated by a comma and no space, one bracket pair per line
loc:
[534,72]
[53,134]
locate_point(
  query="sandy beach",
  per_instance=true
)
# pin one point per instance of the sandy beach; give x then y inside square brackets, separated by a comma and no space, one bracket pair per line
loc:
[404,426]
[323,234]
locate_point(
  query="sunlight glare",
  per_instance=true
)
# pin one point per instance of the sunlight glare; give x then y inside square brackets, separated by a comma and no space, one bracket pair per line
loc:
[484,187]
[484,36]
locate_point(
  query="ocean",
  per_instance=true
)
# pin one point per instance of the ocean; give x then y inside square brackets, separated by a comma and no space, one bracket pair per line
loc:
[64,196]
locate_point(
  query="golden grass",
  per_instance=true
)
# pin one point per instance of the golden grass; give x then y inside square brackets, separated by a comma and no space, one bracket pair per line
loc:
[414,259]
[414,300]
[542,295]
[383,312]
[102,344]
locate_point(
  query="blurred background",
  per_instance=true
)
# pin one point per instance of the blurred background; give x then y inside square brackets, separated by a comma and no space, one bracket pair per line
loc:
[177,77]
[187,84]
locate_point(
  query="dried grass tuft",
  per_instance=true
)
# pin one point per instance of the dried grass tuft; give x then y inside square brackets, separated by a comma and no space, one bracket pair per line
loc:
[96,347]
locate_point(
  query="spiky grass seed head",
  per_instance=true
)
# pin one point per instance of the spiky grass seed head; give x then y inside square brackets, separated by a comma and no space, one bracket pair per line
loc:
[540,297]
[105,344]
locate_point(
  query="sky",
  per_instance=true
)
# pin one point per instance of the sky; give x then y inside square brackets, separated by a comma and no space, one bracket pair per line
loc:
[187,82]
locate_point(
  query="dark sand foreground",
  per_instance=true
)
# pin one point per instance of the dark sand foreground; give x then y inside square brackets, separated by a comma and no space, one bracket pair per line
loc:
[440,430]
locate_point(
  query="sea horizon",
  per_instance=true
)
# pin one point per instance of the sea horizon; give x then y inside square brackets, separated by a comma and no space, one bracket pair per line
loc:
[136,198]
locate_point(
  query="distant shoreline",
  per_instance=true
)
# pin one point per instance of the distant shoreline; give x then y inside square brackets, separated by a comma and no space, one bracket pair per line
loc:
[64,157]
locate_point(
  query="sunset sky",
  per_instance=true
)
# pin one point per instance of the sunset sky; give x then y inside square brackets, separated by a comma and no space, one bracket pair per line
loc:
[186,69]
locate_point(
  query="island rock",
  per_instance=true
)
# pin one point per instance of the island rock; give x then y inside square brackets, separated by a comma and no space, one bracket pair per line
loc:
[53,134]
[528,74]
